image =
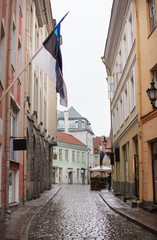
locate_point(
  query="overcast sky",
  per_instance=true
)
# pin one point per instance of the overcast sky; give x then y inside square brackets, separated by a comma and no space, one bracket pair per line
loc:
[84,32]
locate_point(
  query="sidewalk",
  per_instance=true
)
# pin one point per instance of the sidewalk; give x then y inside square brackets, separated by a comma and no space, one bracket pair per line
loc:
[15,227]
[136,215]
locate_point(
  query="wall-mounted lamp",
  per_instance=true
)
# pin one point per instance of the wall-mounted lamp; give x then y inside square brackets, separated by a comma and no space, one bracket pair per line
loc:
[40,124]
[35,113]
[152,94]
[105,143]
[28,98]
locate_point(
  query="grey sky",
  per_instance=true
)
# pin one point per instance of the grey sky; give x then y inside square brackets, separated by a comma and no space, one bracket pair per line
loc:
[84,32]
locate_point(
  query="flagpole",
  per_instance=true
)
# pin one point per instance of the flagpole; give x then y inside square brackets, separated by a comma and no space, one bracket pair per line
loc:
[29,62]
[60,21]
[15,80]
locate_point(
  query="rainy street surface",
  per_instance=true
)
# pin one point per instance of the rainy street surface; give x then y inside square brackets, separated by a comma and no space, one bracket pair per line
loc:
[78,213]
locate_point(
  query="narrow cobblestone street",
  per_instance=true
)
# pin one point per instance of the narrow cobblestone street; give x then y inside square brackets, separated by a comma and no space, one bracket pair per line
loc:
[78,213]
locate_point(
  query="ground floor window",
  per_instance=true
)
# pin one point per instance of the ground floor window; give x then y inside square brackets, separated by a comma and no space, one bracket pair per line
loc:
[11,186]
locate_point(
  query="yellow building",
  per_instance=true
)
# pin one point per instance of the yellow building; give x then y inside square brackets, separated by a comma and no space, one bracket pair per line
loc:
[131,62]
[147,55]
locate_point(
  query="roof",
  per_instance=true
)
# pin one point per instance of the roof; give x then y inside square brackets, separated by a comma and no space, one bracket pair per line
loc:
[67,138]
[72,114]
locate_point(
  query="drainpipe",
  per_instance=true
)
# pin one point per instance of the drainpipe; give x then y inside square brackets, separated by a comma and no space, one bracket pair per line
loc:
[26,77]
[7,148]
[139,104]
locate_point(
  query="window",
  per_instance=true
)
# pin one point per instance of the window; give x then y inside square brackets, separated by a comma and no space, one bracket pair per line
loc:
[111,84]
[124,50]
[130,31]
[132,94]
[13,45]
[54,150]
[155,76]
[113,123]
[96,158]
[12,129]
[78,156]
[83,157]
[126,103]
[152,14]
[121,112]
[155,80]
[60,155]
[117,118]
[66,155]
[73,156]
[2,51]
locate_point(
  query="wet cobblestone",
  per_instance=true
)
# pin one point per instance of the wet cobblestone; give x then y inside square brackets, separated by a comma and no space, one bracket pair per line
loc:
[77,213]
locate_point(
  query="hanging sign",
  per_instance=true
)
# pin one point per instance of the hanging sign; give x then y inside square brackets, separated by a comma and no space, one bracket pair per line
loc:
[19,144]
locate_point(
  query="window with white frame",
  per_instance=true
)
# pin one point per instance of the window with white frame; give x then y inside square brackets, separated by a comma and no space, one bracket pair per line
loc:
[132,93]
[66,155]
[117,118]
[155,80]
[124,50]
[96,158]
[113,123]
[13,43]
[152,14]
[121,112]
[73,156]
[60,154]
[125,103]
[83,158]
[78,156]
[54,150]
[130,31]
[111,86]
[2,51]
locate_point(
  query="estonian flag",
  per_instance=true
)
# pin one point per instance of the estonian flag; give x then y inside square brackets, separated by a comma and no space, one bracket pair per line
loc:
[48,57]
[101,157]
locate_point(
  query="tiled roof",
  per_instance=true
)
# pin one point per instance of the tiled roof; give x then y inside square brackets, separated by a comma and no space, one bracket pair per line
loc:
[67,138]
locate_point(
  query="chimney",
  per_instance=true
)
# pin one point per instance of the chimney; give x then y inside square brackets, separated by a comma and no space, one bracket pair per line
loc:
[66,121]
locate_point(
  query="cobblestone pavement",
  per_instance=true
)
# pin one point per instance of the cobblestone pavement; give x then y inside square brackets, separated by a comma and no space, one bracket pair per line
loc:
[78,213]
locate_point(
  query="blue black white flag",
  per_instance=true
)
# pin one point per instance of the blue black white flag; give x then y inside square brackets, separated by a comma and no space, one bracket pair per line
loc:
[101,157]
[48,57]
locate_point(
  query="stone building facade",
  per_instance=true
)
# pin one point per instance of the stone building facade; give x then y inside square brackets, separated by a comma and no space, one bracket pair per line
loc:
[130,59]
[28,110]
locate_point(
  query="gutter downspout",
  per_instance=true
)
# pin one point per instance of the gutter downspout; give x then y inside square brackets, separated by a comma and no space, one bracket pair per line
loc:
[25,102]
[7,147]
[139,104]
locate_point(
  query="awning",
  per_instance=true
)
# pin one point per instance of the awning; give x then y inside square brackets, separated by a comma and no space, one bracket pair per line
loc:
[100,169]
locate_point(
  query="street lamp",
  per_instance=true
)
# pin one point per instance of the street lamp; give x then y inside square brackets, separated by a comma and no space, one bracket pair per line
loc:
[105,143]
[152,94]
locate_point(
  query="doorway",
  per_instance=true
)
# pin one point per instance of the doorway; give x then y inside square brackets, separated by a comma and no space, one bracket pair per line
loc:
[83,175]
[154,165]
[70,177]
[125,169]
[136,176]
